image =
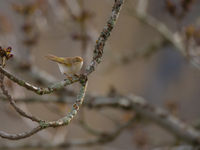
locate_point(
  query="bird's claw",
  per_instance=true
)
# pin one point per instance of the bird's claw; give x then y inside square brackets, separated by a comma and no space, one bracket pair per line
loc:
[77,75]
[68,77]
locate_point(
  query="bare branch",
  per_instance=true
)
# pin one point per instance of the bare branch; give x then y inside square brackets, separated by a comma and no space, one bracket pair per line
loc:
[141,107]
[102,139]
[100,43]
[45,124]
[157,115]
[20,135]
[39,90]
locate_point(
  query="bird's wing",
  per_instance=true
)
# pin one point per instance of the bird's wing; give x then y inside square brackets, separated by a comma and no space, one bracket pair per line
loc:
[60,60]
[68,61]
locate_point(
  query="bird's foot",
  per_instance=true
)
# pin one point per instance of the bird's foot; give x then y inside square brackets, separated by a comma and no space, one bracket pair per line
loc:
[77,75]
[68,77]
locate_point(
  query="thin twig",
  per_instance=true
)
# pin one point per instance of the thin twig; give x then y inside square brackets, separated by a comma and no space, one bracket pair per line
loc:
[20,135]
[133,55]
[12,102]
[176,39]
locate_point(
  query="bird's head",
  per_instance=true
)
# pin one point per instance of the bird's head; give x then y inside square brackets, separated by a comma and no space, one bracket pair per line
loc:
[77,59]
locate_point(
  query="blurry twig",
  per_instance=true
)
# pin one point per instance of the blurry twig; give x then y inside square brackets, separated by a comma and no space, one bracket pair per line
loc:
[180,147]
[103,138]
[89,129]
[157,115]
[175,39]
[146,52]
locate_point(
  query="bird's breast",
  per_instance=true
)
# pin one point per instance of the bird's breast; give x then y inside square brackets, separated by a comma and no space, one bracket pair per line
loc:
[70,70]
[64,69]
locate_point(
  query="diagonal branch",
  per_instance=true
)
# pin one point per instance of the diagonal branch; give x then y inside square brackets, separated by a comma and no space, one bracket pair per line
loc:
[100,43]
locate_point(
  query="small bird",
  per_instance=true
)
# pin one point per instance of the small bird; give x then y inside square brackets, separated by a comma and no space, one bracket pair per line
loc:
[68,66]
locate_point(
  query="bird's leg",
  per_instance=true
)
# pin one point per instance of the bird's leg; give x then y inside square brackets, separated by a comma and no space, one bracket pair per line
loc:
[68,77]
[77,75]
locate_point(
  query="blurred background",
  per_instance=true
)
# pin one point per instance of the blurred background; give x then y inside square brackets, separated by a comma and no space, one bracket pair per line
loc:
[137,60]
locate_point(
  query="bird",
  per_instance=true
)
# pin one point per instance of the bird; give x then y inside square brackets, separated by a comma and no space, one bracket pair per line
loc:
[68,66]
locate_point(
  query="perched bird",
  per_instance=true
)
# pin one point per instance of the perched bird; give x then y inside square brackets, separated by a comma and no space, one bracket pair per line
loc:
[68,66]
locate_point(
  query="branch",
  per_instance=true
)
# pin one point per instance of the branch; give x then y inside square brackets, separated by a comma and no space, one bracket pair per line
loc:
[100,43]
[39,90]
[157,115]
[20,135]
[45,124]
[142,108]
[180,147]
[102,139]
